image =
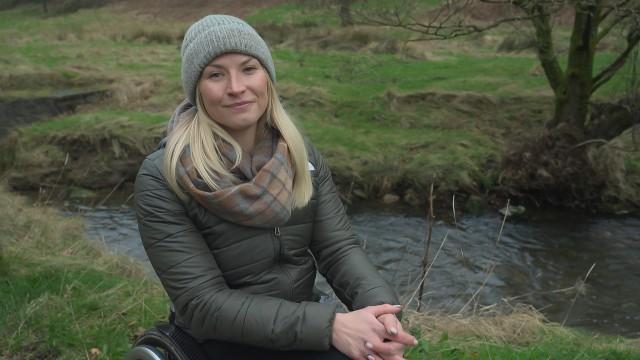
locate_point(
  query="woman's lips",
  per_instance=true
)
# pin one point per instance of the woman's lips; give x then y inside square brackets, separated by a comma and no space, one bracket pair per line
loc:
[240,105]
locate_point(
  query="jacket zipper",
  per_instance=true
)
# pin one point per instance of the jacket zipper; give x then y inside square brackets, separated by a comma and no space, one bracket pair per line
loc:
[276,244]
[277,233]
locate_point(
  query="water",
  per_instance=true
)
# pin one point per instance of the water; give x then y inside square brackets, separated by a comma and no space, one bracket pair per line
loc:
[539,261]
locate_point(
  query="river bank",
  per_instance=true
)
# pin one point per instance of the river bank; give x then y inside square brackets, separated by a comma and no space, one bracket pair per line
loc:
[391,120]
[92,154]
[68,298]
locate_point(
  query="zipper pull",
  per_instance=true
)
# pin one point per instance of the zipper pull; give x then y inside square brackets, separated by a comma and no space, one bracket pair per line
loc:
[276,231]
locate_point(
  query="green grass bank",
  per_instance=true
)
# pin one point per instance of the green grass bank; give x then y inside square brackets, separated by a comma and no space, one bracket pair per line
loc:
[65,297]
[391,117]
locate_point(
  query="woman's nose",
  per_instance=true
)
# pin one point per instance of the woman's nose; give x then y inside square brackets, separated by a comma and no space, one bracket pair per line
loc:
[236,84]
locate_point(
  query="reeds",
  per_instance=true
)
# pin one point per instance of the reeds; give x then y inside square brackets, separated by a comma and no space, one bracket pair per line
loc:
[425,259]
[508,322]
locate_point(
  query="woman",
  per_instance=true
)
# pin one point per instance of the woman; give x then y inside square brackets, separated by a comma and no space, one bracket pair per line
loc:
[236,211]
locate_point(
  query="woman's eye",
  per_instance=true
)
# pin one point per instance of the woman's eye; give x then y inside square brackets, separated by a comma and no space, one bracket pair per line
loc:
[215,75]
[250,69]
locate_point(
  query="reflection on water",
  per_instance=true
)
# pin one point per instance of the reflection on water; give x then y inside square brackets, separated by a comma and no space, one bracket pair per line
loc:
[534,260]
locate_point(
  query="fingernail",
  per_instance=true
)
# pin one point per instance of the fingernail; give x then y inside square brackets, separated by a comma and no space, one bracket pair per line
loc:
[415,342]
[368,345]
[393,331]
[370,357]
[399,306]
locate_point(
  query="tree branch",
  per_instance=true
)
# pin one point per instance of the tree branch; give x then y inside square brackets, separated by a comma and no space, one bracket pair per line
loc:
[605,75]
[611,9]
[544,44]
[446,22]
[442,25]
[602,33]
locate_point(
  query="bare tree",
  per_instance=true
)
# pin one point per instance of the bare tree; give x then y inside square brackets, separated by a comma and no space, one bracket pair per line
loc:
[572,85]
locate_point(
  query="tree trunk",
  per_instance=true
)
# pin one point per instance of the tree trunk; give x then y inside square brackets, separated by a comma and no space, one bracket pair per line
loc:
[345,13]
[572,101]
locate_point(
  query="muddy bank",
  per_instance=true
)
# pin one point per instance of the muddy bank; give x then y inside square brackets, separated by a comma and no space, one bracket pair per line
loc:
[17,112]
[105,158]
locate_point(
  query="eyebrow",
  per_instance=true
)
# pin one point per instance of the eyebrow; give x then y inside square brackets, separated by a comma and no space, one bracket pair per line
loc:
[222,67]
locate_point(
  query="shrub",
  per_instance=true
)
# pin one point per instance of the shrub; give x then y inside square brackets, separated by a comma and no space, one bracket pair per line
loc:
[517,42]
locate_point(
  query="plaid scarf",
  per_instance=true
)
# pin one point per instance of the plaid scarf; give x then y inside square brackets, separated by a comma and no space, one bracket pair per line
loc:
[261,192]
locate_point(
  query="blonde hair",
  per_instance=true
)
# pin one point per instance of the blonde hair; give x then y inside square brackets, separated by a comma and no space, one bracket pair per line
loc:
[202,134]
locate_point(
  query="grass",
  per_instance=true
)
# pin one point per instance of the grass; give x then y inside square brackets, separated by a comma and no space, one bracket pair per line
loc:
[292,13]
[361,76]
[551,349]
[67,298]
[90,44]
[466,64]
[83,122]
[63,295]
[116,133]
[518,332]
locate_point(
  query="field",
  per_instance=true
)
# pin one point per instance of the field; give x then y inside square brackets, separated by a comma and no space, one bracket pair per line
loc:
[391,116]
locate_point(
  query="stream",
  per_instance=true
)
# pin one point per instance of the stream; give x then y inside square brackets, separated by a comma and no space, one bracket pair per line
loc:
[542,260]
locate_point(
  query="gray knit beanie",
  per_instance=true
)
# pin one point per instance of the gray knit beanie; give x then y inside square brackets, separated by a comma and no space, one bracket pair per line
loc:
[213,36]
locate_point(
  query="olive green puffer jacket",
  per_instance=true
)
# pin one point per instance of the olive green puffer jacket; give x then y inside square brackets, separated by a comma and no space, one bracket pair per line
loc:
[253,285]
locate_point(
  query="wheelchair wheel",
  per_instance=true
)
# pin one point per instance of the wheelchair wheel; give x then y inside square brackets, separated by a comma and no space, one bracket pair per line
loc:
[165,342]
[144,352]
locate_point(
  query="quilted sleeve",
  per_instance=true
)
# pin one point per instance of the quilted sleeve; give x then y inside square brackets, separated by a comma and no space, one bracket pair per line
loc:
[337,251]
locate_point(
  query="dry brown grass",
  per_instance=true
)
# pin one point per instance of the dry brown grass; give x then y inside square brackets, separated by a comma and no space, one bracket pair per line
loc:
[132,92]
[518,325]
[621,345]
[300,95]
[189,10]
[35,232]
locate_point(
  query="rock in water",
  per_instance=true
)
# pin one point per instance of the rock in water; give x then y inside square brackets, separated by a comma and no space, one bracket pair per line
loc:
[390,198]
[512,210]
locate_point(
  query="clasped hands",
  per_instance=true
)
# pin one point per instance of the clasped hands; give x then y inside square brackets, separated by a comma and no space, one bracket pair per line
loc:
[372,333]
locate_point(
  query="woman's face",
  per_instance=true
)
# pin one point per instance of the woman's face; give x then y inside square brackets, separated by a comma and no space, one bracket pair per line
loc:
[233,88]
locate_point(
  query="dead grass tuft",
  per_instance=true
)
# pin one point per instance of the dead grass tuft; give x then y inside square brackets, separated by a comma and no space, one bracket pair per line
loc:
[295,94]
[517,42]
[353,38]
[469,101]
[519,325]
[131,92]
[623,344]
[38,232]
[156,36]
[189,10]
